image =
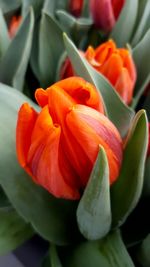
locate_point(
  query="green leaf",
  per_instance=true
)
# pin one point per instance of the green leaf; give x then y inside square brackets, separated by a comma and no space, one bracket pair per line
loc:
[140,54]
[4,202]
[4,37]
[36,4]
[146,188]
[142,20]
[31,201]
[76,28]
[120,114]
[14,63]
[93,212]
[52,259]
[126,191]
[123,29]
[143,253]
[50,49]
[9,5]
[13,231]
[108,252]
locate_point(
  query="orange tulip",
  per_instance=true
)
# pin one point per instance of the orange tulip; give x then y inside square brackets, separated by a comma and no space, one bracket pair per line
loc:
[105,12]
[116,64]
[14,25]
[75,7]
[59,145]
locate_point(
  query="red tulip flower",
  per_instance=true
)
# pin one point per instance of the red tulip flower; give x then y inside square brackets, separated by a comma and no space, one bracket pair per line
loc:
[75,7]
[59,145]
[116,64]
[14,25]
[105,12]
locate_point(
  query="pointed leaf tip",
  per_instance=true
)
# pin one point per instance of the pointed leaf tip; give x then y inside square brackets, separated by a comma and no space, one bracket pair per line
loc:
[93,213]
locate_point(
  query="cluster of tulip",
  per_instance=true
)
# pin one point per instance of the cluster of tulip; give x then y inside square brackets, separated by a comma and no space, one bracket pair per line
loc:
[79,161]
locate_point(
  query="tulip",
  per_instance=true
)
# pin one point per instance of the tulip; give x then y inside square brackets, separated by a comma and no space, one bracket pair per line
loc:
[75,7]
[58,146]
[14,25]
[105,13]
[116,64]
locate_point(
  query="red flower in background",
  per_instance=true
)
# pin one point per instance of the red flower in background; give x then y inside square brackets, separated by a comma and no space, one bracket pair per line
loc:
[105,12]
[59,145]
[75,7]
[14,25]
[116,64]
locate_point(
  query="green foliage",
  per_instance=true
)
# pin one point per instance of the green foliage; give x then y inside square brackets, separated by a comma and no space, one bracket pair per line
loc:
[126,191]
[94,212]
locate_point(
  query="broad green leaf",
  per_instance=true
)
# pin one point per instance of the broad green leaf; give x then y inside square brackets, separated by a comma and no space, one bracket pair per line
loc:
[4,202]
[126,191]
[13,65]
[9,5]
[142,20]
[123,29]
[76,28]
[143,253]
[50,49]
[4,37]
[54,219]
[94,212]
[52,259]
[146,189]
[140,54]
[50,6]
[108,252]
[13,231]
[36,4]
[120,114]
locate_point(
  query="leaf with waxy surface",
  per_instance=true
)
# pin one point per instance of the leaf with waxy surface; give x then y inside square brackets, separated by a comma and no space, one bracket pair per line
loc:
[126,191]
[49,49]
[140,55]
[13,65]
[123,29]
[32,202]
[108,252]
[120,114]
[9,5]
[4,37]
[94,212]
[13,230]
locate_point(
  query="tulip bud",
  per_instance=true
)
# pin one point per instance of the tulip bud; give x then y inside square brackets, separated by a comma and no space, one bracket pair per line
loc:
[105,12]
[75,7]
[14,25]
[116,64]
[58,147]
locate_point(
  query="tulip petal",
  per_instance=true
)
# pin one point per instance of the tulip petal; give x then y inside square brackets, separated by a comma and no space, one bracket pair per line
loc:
[124,86]
[102,13]
[93,129]
[82,92]
[128,63]
[41,97]
[117,6]
[113,63]
[104,51]
[26,120]
[44,157]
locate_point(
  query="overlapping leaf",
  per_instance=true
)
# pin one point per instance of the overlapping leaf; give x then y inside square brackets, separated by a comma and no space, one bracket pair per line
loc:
[94,212]
[13,65]
[117,111]
[126,191]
